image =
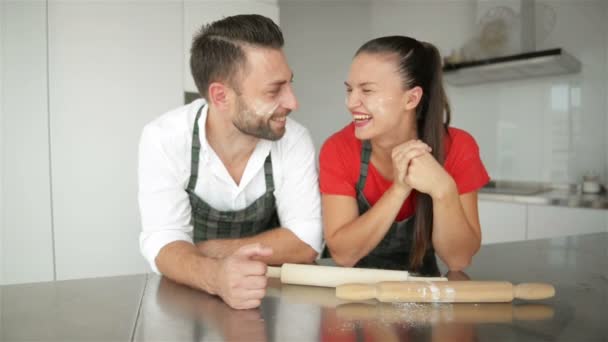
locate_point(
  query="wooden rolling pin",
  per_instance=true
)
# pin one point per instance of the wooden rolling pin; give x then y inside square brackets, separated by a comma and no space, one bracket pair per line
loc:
[445,291]
[332,276]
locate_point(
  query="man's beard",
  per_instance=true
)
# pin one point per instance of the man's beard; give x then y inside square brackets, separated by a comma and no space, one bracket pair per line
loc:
[259,126]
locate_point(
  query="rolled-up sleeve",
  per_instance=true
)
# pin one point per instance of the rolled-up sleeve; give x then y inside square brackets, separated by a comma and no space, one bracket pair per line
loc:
[163,203]
[298,198]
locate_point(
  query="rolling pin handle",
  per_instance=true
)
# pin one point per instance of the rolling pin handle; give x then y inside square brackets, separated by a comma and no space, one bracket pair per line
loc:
[533,291]
[273,272]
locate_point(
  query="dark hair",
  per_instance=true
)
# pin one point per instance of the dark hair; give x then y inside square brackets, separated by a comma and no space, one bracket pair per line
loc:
[419,64]
[217,49]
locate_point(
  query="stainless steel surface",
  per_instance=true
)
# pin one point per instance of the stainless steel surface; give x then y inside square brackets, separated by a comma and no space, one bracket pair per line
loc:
[177,313]
[514,188]
[577,266]
[513,69]
[103,309]
[542,194]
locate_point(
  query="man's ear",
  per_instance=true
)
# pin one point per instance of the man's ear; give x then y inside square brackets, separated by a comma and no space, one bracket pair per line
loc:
[219,95]
[413,97]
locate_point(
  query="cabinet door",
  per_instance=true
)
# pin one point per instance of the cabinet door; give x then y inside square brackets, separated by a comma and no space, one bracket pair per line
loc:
[197,13]
[551,221]
[114,66]
[502,222]
[26,243]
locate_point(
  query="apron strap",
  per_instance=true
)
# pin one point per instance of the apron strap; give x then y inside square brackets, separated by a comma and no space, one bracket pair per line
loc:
[366,153]
[196,148]
[268,174]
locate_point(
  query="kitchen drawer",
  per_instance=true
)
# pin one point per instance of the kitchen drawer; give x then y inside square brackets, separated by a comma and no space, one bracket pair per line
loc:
[551,221]
[502,222]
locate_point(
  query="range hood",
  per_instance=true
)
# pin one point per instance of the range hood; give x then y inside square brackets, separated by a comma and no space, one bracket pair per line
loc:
[525,65]
[516,28]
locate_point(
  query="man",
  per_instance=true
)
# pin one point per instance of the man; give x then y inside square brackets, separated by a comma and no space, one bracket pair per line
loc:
[228,184]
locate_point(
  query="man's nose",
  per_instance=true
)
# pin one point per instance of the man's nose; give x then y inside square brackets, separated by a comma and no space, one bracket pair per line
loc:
[289,100]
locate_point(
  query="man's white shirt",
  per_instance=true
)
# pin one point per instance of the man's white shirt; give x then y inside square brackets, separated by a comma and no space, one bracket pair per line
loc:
[164,172]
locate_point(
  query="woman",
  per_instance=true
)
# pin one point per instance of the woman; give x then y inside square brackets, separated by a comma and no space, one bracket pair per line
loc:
[398,184]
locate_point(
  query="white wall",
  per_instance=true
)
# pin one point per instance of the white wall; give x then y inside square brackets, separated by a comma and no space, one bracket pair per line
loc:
[321,38]
[548,129]
[606,107]
[446,24]
[26,200]
[606,79]
[114,66]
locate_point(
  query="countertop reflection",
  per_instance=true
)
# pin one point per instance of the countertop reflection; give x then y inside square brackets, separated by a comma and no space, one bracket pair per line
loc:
[577,266]
[152,308]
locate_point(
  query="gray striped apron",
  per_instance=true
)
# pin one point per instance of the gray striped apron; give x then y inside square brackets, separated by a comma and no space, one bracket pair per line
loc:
[393,251]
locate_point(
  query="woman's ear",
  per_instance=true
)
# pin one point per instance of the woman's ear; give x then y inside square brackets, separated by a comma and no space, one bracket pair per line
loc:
[413,97]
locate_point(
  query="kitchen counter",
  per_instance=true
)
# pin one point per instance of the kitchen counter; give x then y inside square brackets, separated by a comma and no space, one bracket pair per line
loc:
[152,308]
[542,194]
[101,309]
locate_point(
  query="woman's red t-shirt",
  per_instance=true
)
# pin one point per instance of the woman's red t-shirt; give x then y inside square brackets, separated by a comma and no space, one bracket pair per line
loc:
[340,161]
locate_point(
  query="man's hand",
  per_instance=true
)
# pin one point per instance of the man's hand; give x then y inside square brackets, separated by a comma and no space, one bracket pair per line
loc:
[240,280]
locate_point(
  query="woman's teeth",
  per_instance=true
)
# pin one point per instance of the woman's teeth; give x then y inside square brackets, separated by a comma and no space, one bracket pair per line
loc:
[361,117]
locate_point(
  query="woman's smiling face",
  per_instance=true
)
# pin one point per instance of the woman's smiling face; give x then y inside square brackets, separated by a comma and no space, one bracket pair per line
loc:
[375,95]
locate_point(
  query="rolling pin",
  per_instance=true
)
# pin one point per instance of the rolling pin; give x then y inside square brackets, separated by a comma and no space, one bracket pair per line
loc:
[332,276]
[445,291]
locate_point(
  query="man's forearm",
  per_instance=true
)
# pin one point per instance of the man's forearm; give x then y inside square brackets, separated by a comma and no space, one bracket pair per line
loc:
[182,262]
[286,247]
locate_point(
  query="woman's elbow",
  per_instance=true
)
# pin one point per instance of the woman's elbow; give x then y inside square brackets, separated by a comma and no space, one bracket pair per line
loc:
[343,262]
[342,259]
[459,263]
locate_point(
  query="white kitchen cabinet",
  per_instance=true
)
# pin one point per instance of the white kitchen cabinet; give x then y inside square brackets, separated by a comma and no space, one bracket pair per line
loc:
[551,221]
[502,221]
[114,66]
[25,198]
[199,12]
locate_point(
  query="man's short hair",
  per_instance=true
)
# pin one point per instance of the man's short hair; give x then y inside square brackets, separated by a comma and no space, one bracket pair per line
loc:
[217,49]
